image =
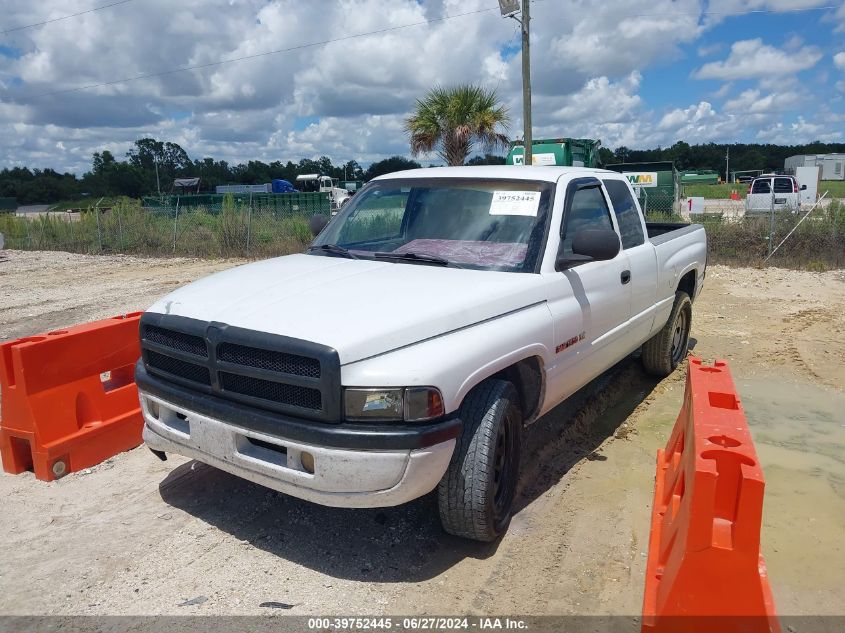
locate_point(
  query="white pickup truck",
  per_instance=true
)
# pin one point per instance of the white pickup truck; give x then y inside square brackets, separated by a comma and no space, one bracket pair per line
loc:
[436,316]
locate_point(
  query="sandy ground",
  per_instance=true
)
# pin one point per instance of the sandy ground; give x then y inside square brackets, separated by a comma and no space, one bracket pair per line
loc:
[138,536]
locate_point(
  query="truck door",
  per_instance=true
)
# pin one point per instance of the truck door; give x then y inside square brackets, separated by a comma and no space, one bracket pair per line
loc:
[642,259]
[590,302]
[759,198]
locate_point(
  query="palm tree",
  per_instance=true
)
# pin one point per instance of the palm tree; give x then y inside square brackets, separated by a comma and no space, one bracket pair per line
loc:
[455,120]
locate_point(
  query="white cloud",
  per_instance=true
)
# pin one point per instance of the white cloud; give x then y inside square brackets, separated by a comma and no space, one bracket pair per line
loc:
[701,123]
[752,59]
[615,37]
[754,102]
[839,60]
[601,101]
[591,62]
[708,50]
[800,131]
[723,91]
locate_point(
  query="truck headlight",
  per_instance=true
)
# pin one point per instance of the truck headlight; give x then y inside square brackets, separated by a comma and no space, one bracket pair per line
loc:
[393,404]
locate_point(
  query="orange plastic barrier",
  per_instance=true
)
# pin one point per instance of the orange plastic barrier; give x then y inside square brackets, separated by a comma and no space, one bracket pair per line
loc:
[69,398]
[704,569]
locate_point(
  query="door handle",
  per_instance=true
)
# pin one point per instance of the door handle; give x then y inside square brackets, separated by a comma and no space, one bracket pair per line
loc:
[626,276]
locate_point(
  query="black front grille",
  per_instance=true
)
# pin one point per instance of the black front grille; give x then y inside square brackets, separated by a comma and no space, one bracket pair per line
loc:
[270,360]
[180,368]
[291,395]
[266,371]
[176,340]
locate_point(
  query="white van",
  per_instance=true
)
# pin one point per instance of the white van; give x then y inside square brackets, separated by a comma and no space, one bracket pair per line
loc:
[771,191]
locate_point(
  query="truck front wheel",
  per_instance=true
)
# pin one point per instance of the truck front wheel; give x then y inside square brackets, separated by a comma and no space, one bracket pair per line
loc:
[666,349]
[476,494]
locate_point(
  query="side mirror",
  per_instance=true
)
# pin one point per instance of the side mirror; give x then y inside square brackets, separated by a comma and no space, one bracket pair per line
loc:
[803,187]
[317,223]
[590,245]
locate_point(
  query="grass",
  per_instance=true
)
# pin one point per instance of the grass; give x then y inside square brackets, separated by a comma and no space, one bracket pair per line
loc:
[128,228]
[836,189]
[818,244]
[88,202]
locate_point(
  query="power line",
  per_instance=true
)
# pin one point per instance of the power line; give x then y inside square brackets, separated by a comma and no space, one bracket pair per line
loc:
[264,54]
[731,13]
[388,29]
[664,14]
[64,17]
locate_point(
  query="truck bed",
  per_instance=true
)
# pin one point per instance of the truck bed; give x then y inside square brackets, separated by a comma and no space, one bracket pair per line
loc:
[659,232]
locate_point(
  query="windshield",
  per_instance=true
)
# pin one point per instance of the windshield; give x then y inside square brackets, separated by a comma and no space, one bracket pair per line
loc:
[472,223]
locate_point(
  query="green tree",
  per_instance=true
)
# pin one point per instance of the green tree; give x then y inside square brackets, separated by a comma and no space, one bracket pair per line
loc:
[352,171]
[389,165]
[455,120]
[169,158]
[487,159]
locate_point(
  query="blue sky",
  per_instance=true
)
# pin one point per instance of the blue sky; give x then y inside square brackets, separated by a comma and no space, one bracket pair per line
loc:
[671,85]
[693,70]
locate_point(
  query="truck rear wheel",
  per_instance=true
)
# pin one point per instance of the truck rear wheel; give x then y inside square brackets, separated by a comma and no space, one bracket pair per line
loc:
[665,350]
[476,494]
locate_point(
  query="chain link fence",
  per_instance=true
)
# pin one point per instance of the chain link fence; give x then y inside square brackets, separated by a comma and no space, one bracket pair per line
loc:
[297,203]
[657,201]
[229,231]
[818,243]
[258,231]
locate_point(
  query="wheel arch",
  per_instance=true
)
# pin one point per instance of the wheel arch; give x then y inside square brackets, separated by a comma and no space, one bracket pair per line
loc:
[688,282]
[526,373]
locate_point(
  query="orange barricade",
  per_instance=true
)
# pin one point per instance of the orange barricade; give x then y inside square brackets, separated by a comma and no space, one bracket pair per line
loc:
[704,569]
[69,398]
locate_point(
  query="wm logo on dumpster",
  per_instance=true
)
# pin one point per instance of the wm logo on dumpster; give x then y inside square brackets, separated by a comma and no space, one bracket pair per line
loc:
[642,179]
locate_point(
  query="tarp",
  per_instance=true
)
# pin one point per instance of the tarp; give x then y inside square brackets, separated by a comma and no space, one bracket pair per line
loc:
[186,182]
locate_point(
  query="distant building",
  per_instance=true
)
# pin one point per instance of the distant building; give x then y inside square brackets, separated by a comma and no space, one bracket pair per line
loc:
[832,165]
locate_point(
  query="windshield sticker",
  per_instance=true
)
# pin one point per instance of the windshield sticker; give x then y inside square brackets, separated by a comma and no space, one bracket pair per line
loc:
[515,203]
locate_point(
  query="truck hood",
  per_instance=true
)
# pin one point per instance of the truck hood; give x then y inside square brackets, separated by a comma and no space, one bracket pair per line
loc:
[361,308]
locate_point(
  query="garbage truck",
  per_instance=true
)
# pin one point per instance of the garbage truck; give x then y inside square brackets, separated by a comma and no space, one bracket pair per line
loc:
[317,182]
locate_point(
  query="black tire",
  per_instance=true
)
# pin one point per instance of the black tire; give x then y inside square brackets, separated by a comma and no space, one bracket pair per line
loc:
[476,494]
[665,350]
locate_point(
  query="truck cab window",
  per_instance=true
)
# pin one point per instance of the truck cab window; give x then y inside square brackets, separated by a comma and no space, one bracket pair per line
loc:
[475,223]
[588,211]
[627,216]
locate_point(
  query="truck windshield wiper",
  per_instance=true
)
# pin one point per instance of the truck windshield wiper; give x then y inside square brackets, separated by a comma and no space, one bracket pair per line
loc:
[334,249]
[416,257]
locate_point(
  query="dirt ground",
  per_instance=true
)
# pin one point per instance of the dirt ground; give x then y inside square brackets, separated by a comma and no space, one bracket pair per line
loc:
[138,536]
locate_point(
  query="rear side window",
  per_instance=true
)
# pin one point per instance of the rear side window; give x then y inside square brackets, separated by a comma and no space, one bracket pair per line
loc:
[627,216]
[783,185]
[761,186]
[588,211]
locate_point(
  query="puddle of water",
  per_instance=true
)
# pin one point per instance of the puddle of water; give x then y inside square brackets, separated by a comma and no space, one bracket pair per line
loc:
[799,433]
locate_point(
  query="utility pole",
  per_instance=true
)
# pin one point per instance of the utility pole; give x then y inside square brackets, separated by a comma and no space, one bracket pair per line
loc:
[509,9]
[728,165]
[526,81]
[158,184]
